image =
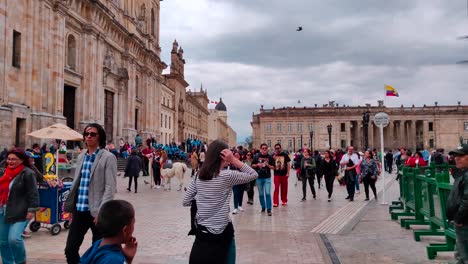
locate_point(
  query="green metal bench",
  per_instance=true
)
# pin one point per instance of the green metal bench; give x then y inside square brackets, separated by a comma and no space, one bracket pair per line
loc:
[449,230]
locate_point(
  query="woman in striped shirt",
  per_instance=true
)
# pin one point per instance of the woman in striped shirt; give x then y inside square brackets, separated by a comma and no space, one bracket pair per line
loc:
[212,189]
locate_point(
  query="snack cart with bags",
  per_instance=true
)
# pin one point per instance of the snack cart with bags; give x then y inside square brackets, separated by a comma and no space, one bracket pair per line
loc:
[51,213]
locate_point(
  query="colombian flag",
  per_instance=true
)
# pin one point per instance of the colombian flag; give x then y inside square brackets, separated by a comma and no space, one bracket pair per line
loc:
[391,91]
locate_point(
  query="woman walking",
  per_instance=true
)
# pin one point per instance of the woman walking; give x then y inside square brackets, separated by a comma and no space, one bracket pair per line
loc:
[307,173]
[132,170]
[156,158]
[329,170]
[19,200]
[369,171]
[214,239]
[251,185]
[194,161]
[237,190]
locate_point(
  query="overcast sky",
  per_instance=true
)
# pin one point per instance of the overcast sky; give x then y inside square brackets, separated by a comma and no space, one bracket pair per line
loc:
[249,53]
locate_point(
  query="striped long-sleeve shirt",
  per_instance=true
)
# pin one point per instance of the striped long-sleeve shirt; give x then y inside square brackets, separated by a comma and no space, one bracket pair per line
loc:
[213,197]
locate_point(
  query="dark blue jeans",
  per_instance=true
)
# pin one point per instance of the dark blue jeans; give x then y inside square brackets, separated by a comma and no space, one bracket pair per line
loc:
[238,191]
[461,253]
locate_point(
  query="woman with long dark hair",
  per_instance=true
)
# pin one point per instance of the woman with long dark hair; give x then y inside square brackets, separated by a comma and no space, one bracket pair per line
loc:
[308,167]
[212,189]
[132,170]
[329,169]
[19,200]
[369,171]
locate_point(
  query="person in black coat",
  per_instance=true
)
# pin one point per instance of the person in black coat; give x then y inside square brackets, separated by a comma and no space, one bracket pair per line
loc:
[133,168]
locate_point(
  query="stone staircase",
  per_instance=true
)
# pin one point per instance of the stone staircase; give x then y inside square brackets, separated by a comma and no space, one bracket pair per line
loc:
[121,163]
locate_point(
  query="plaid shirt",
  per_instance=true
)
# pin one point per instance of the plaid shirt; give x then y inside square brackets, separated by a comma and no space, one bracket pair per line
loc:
[82,203]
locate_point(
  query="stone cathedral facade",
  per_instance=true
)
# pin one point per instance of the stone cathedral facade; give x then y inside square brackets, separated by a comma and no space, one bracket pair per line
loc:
[83,61]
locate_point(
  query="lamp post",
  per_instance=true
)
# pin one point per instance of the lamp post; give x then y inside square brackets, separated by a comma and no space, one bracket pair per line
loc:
[311,134]
[365,123]
[329,129]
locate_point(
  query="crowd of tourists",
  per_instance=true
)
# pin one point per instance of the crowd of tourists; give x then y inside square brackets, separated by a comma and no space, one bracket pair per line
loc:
[218,173]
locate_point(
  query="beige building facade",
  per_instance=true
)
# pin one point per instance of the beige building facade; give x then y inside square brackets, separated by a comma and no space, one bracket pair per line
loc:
[412,127]
[81,61]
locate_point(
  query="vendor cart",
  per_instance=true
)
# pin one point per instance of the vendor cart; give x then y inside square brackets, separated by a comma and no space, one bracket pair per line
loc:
[51,212]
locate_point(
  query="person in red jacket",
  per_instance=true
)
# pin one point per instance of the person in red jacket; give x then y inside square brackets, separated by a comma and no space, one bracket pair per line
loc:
[416,161]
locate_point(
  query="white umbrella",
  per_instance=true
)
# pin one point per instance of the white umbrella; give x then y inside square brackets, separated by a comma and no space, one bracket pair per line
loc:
[57,131]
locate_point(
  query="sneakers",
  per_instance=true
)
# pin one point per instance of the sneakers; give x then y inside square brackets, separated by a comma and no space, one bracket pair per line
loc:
[269,213]
[275,205]
[128,189]
[358,191]
[250,201]
[26,234]
[303,199]
[263,210]
[329,199]
[367,199]
[241,209]
[234,211]
[347,198]
[315,197]
[284,204]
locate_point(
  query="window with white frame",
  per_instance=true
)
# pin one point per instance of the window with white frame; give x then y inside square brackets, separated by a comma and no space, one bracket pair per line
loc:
[278,127]
[299,127]
[268,128]
[289,127]
[310,127]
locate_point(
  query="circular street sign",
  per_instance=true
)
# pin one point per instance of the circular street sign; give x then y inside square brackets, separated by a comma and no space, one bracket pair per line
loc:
[381,119]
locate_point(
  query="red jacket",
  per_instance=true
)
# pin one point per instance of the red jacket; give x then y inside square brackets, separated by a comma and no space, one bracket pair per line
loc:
[412,162]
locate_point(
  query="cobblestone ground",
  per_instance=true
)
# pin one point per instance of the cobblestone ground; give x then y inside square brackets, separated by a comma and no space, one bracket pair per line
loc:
[162,225]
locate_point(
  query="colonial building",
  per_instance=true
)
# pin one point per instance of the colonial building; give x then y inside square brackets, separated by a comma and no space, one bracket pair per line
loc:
[412,127]
[84,61]
[78,62]
[218,127]
[196,117]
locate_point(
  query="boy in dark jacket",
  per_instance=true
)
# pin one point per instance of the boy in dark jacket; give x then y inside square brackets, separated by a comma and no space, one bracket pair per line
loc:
[116,222]
[457,204]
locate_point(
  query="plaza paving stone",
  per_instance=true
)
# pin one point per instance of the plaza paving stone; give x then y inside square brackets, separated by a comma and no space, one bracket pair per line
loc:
[162,225]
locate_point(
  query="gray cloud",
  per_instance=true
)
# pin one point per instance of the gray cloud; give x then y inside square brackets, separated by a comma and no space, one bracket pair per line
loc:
[249,52]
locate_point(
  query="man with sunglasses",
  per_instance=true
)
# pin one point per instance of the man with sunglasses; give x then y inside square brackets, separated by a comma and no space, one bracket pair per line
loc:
[93,185]
[457,204]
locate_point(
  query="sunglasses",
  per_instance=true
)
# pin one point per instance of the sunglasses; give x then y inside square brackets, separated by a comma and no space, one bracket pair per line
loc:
[277,148]
[91,134]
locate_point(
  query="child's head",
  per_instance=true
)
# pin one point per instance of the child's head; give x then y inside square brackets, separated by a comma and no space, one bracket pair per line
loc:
[116,218]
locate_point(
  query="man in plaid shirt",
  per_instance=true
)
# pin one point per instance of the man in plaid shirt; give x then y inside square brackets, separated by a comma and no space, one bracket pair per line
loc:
[98,168]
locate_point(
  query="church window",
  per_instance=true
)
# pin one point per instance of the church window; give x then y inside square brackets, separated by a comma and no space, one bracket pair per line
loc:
[153,23]
[16,49]
[71,52]
[137,87]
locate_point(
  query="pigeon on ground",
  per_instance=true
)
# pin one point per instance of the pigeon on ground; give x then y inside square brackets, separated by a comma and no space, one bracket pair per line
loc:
[299,29]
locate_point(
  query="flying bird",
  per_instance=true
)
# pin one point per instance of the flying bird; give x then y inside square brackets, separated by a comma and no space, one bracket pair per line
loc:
[299,29]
